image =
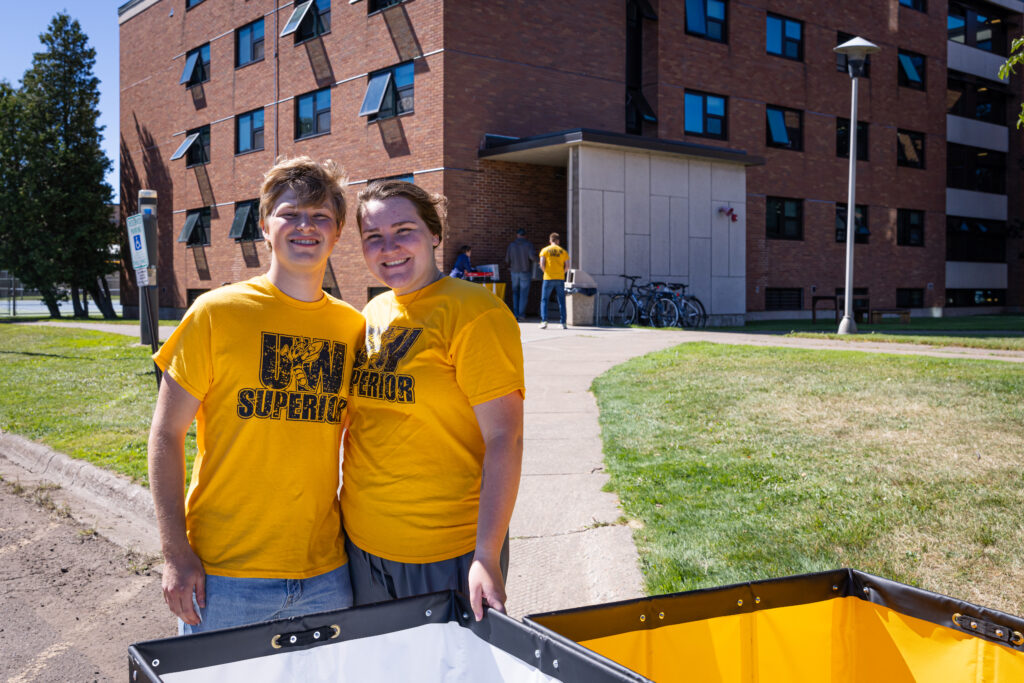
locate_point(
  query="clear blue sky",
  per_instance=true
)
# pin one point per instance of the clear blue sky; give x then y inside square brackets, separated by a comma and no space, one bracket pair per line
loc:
[25,21]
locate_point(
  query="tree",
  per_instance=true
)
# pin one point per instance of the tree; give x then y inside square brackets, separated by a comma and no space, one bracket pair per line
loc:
[1016,58]
[58,228]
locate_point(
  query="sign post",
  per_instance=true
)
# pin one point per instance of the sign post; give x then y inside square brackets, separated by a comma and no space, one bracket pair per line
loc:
[142,243]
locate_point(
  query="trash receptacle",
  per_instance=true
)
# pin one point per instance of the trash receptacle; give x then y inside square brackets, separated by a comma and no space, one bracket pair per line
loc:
[580,298]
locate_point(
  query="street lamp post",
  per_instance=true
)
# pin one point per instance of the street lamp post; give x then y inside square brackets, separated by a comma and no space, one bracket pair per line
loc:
[856,51]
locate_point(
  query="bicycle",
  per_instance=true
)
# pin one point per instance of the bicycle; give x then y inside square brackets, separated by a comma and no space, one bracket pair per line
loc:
[641,303]
[691,311]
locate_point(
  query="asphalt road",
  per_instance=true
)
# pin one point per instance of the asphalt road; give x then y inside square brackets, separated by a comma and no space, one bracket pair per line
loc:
[70,601]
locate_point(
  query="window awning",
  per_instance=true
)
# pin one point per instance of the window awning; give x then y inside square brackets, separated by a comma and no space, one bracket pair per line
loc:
[192,64]
[643,107]
[376,89]
[183,148]
[243,227]
[298,14]
[191,224]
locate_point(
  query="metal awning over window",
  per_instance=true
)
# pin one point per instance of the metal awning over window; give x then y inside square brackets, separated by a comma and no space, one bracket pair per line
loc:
[184,147]
[376,89]
[191,72]
[636,99]
[244,226]
[295,20]
[191,226]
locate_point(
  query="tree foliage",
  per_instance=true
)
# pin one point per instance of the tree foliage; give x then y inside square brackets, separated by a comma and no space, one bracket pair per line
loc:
[1016,58]
[55,215]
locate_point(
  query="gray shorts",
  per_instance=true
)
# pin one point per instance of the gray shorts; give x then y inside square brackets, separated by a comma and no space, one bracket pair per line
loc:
[375,579]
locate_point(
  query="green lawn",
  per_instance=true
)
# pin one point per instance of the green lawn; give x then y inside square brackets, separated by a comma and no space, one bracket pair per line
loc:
[826,323]
[745,463]
[87,394]
[965,339]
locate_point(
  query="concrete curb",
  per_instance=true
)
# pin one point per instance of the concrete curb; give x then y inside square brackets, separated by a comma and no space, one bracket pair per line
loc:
[77,476]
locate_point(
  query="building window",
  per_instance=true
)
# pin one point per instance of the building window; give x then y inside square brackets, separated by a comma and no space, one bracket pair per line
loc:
[975,239]
[910,298]
[784,218]
[249,131]
[197,66]
[783,298]
[784,128]
[313,114]
[976,98]
[975,297]
[973,168]
[983,30]
[911,74]
[377,5]
[189,4]
[245,226]
[406,177]
[843,139]
[309,20]
[705,115]
[785,37]
[919,5]
[196,232]
[841,60]
[389,93]
[706,18]
[909,149]
[249,43]
[195,148]
[909,228]
[860,221]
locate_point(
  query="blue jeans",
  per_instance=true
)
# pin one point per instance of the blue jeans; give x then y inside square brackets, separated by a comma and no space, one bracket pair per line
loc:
[520,292]
[234,602]
[545,293]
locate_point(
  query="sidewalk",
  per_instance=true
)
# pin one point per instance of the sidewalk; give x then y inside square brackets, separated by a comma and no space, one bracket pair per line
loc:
[568,547]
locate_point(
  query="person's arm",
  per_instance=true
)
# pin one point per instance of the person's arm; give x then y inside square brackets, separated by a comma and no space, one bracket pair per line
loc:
[501,424]
[183,571]
[543,259]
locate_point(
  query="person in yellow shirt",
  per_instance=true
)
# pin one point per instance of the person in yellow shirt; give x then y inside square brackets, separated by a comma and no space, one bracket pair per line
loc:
[552,261]
[434,450]
[264,367]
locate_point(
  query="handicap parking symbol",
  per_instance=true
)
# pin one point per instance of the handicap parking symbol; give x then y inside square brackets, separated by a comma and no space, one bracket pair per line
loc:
[138,242]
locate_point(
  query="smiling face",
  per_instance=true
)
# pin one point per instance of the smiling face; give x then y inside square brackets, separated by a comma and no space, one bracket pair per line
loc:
[300,237]
[397,245]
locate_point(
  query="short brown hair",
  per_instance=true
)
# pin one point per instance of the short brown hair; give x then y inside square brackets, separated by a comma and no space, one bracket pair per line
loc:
[431,206]
[554,237]
[314,184]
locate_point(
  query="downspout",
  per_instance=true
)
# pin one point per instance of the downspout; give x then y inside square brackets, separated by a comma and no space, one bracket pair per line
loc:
[277,78]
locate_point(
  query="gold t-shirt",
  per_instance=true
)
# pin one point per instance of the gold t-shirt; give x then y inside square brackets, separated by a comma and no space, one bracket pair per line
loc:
[414,452]
[555,259]
[272,374]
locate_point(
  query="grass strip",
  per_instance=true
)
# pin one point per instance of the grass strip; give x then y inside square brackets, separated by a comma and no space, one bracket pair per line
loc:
[966,340]
[87,394]
[746,463]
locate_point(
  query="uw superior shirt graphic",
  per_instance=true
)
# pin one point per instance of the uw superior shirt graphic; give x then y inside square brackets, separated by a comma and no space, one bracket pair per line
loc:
[300,378]
[375,374]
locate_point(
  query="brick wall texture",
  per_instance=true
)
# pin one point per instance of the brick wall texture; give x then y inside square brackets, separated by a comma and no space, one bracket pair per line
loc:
[520,68]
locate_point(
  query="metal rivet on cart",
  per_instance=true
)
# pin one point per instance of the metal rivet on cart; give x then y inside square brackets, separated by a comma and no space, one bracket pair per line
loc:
[554,663]
[429,613]
[316,635]
[643,617]
[739,603]
[293,640]
[974,624]
[661,615]
[536,653]
[999,632]
[156,662]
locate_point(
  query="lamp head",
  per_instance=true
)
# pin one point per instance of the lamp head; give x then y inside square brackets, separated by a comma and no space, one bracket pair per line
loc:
[856,51]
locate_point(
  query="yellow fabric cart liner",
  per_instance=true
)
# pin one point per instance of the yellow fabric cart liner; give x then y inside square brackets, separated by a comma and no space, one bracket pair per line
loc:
[836,627]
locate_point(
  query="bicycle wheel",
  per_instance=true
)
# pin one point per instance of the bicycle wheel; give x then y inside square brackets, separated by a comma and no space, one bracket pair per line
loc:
[621,311]
[703,312]
[690,316]
[664,312]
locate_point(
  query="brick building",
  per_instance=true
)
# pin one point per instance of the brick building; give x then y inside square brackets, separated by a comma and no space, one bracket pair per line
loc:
[698,141]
